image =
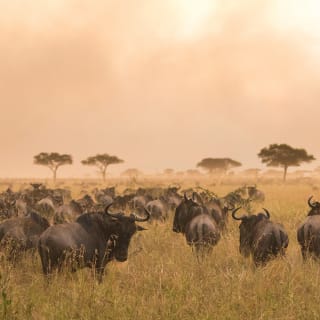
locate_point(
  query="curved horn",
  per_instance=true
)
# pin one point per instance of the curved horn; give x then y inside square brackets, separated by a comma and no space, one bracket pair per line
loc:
[311,205]
[230,208]
[114,215]
[185,197]
[267,213]
[234,216]
[142,219]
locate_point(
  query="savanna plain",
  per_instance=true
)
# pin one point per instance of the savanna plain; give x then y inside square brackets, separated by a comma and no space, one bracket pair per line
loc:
[162,278]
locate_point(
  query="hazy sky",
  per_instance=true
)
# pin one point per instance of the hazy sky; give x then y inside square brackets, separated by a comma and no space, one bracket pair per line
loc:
[158,83]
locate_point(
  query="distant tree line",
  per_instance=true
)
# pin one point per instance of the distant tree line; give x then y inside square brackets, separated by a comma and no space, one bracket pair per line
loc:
[55,160]
[275,155]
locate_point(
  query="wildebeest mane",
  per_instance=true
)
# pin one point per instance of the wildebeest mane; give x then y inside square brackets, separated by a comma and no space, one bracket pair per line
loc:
[43,222]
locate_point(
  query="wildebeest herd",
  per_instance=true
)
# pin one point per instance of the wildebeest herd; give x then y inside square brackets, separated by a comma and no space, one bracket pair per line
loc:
[72,233]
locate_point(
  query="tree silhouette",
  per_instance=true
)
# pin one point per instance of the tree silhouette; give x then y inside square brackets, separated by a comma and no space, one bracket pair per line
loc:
[168,171]
[221,165]
[283,155]
[131,173]
[101,161]
[53,161]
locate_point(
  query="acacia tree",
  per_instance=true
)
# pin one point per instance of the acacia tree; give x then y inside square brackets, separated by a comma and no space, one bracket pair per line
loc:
[53,161]
[218,164]
[168,171]
[283,155]
[101,161]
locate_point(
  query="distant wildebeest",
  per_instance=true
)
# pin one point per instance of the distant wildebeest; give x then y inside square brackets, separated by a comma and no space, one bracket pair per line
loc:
[45,207]
[194,221]
[171,197]
[158,210]
[22,233]
[254,194]
[68,212]
[123,202]
[218,209]
[260,237]
[139,202]
[308,233]
[92,241]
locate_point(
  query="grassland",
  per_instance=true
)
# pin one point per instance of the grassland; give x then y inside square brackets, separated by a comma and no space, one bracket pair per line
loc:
[163,280]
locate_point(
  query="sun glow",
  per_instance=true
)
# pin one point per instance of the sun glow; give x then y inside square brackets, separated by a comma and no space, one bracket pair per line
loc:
[297,14]
[193,15]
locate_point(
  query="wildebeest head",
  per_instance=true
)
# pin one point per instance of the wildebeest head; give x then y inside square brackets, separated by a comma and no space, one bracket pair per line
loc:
[219,210]
[247,227]
[315,207]
[123,228]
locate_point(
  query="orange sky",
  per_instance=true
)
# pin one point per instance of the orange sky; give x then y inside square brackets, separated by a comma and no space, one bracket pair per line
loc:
[158,83]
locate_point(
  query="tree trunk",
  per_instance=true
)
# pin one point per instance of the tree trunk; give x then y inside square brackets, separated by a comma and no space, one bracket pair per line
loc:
[285,173]
[221,177]
[104,174]
[54,175]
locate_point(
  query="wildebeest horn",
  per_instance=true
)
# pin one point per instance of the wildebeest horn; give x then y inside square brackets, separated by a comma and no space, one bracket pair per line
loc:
[185,197]
[114,215]
[267,213]
[138,219]
[230,208]
[234,216]
[311,205]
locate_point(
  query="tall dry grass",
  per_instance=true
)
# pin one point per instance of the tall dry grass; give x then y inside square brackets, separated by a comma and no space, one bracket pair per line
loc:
[162,279]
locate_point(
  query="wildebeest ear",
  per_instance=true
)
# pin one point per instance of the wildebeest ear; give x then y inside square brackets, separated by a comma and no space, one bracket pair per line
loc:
[139,228]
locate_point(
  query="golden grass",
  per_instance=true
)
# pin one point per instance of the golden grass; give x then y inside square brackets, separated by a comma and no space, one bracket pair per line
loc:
[163,280]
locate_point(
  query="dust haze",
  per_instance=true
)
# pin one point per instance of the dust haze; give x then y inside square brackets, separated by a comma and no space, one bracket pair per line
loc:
[137,80]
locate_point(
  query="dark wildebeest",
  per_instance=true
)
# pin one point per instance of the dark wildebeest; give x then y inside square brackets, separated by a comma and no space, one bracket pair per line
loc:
[199,227]
[260,237]
[308,233]
[20,234]
[92,241]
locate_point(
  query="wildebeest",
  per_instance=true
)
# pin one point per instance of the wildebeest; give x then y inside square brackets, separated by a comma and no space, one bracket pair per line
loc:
[260,237]
[20,234]
[219,211]
[91,241]
[202,232]
[194,221]
[68,212]
[254,194]
[158,210]
[308,233]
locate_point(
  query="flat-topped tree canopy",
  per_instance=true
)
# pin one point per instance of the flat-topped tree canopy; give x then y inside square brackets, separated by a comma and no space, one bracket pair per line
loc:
[218,164]
[102,161]
[283,155]
[52,160]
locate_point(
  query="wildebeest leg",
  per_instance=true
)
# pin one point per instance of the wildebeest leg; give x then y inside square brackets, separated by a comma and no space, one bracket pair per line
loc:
[100,263]
[45,260]
[304,253]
